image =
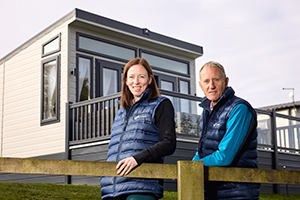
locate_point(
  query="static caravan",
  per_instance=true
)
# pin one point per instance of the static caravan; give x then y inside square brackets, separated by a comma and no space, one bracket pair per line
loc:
[59,94]
[60,90]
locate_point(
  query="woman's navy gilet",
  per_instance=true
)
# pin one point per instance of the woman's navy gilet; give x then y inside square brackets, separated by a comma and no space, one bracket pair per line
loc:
[133,130]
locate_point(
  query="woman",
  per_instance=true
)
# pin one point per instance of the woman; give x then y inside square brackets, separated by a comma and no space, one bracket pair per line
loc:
[143,131]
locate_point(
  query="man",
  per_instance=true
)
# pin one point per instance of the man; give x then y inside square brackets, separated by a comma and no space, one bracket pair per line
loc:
[228,135]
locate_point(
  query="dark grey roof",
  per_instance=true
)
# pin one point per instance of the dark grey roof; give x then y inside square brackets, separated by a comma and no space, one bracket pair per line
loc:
[144,32]
[281,106]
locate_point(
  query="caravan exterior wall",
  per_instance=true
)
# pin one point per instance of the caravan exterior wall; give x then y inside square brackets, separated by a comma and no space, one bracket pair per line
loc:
[22,134]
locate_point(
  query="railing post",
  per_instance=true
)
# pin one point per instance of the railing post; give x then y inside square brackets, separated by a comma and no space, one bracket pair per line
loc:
[190,180]
[276,187]
[67,140]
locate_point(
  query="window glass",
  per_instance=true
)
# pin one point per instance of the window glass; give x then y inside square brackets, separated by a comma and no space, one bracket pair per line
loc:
[50,87]
[187,121]
[104,48]
[110,80]
[84,79]
[263,129]
[166,64]
[165,85]
[184,87]
[52,46]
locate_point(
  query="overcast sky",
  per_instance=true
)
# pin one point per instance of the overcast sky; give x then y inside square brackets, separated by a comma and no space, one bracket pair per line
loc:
[257,41]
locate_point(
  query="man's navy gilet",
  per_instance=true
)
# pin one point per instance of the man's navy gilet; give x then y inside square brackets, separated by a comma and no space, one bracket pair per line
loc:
[133,130]
[212,130]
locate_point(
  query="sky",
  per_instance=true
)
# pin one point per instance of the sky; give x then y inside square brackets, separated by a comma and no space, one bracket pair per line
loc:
[257,41]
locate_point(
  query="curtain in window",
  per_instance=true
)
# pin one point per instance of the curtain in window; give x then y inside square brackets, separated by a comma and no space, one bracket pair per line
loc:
[50,83]
[84,79]
[109,81]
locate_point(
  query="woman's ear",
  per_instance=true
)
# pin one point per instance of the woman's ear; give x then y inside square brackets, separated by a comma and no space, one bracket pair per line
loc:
[150,79]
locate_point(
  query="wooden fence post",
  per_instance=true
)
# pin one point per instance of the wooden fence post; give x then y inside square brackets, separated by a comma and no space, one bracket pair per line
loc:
[190,181]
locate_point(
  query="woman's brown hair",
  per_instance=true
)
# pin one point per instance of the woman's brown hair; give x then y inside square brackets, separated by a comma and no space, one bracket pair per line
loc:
[126,95]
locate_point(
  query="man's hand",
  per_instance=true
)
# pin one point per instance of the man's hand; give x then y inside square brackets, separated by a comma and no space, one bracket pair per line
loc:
[126,165]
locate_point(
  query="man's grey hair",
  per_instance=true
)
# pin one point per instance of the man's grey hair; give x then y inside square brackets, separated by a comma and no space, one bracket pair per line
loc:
[214,64]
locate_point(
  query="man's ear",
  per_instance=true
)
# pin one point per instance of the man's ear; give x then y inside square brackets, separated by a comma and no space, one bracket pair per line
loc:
[226,82]
[200,85]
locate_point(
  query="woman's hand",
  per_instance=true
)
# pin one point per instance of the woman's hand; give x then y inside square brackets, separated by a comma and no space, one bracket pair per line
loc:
[126,165]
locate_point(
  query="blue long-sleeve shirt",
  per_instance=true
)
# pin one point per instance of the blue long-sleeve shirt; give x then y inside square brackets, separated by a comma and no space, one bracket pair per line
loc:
[236,130]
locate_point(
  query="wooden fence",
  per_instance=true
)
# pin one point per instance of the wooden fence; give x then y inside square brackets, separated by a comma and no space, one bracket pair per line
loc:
[190,175]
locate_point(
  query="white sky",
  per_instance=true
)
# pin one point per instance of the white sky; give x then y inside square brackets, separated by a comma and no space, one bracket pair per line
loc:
[258,42]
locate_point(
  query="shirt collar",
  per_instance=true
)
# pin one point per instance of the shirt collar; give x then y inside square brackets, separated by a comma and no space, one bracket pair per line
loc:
[211,106]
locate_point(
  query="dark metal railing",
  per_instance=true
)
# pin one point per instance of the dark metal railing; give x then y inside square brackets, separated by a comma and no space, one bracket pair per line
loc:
[281,132]
[92,120]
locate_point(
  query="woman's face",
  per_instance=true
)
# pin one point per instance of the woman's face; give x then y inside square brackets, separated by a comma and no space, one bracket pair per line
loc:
[137,80]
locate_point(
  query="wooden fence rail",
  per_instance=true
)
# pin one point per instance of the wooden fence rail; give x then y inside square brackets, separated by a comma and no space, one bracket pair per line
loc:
[190,175]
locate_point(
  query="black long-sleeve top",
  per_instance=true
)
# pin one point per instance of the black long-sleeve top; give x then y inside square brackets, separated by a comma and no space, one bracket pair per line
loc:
[164,120]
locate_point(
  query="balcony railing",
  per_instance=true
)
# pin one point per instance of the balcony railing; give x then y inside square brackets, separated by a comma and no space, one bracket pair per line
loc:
[278,132]
[92,120]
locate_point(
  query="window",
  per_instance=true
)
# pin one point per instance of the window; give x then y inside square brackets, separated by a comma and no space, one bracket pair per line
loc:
[166,63]
[166,82]
[51,46]
[108,78]
[84,77]
[166,85]
[184,87]
[105,48]
[50,90]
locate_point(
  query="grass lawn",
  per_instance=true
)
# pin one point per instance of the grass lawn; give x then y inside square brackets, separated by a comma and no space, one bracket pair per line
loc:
[49,191]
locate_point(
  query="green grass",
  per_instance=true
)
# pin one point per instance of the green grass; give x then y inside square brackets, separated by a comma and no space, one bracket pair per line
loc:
[49,191]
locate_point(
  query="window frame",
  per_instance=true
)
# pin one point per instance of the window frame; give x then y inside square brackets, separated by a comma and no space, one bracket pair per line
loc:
[91,75]
[78,34]
[48,42]
[141,51]
[189,92]
[57,98]
[167,78]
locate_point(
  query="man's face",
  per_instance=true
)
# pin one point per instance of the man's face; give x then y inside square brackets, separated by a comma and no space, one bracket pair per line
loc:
[212,83]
